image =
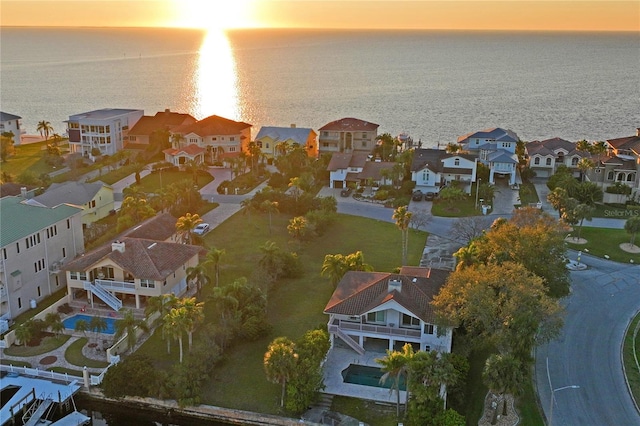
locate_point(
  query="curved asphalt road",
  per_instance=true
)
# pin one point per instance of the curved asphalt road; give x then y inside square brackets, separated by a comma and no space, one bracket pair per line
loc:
[588,352]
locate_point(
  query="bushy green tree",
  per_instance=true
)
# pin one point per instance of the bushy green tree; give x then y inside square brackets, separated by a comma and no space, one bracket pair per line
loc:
[133,376]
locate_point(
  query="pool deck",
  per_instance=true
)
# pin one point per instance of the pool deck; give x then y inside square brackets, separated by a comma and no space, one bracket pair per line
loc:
[340,358]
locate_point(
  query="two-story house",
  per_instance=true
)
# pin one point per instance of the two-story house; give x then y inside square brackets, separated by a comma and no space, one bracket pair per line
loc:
[10,123]
[102,130]
[35,242]
[545,156]
[496,148]
[95,199]
[389,310]
[140,135]
[130,270]
[345,168]
[620,164]
[347,135]
[276,141]
[433,169]
[213,138]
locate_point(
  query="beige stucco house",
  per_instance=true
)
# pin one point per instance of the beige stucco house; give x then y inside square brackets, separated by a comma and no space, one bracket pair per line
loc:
[347,135]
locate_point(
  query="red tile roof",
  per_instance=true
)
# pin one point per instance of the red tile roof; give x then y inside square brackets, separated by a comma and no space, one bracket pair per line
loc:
[213,125]
[190,150]
[350,125]
[361,292]
[162,120]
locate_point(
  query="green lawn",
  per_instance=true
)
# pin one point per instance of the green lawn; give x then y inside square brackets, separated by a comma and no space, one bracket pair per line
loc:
[47,344]
[74,355]
[601,241]
[462,208]
[528,194]
[294,305]
[631,368]
[29,157]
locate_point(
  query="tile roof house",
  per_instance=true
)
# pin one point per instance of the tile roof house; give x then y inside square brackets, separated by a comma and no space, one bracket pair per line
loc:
[346,167]
[220,137]
[161,227]
[545,156]
[140,134]
[10,123]
[496,149]
[130,268]
[433,169]
[96,199]
[272,139]
[395,309]
[348,134]
[34,242]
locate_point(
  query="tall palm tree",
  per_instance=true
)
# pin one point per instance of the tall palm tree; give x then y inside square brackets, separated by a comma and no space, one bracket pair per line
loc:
[213,258]
[194,167]
[402,216]
[177,140]
[82,326]
[176,323]
[24,333]
[127,325]
[97,325]
[195,316]
[185,226]
[162,304]
[279,362]
[269,260]
[53,322]
[394,367]
[504,374]
[632,226]
[334,267]
[298,227]
[269,207]
[198,274]
[584,165]
[45,128]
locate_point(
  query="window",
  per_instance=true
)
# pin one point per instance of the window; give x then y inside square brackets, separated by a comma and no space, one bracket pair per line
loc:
[146,283]
[425,175]
[364,144]
[193,140]
[19,303]
[410,321]
[18,247]
[4,253]
[630,177]
[259,144]
[68,223]
[39,292]
[610,176]
[232,149]
[38,266]
[456,162]
[574,161]
[428,329]
[232,138]
[364,135]
[548,161]
[378,316]
[536,161]
[64,252]
[57,281]
[132,138]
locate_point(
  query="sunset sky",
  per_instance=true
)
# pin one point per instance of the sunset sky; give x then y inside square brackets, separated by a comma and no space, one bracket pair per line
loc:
[571,15]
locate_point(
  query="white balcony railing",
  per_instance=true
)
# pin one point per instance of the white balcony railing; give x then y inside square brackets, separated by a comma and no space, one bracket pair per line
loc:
[119,286]
[386,330]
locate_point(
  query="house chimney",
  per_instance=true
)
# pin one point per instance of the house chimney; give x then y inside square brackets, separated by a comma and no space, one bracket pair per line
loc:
[395,285]
[117,246]
[293,126]
[23,191]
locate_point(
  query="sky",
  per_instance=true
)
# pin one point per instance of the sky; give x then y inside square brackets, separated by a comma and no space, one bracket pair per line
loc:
[540,15]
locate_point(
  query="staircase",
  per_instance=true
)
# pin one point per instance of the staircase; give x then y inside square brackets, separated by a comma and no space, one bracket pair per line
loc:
[104,295]
[34,414]
[349,341]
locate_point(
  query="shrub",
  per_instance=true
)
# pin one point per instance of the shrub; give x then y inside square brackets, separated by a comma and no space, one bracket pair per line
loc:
[381,195]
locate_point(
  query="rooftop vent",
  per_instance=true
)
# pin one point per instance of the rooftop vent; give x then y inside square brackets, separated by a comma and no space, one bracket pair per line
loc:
[117,246]
[395,285]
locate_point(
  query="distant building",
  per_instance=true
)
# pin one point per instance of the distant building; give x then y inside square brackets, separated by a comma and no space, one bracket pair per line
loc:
[496,148]
[620,164]
[213,139]
[545,156]
[10,123]
[35,242]
[104,130]
[347,135]
[276,141]
[96,199]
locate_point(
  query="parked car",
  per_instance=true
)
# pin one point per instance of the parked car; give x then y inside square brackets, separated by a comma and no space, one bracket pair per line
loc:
[429,196]
[202,229]
[346,192]
[417,195]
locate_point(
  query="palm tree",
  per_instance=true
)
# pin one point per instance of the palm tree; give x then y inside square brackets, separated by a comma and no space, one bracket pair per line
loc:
[355,262]
[195,315]
[281,148]
[97,325]
[185,226]
[269,260]
[24,333]
[632,226]
[53,322]
[127,325]
[584,165]
[198,274]
[402,216]
[213,258]
[137,168]
[269,207]
[334,267]
[298,227]
[504,374]
[394,367]
[176,323]
[279,363]
[82,326]
[195,167]
[177,140]
[44,127]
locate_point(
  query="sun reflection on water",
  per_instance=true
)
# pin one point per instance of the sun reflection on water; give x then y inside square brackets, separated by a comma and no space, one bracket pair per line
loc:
[216,78]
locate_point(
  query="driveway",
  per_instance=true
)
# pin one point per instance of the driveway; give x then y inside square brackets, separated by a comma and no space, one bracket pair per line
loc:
[604,298]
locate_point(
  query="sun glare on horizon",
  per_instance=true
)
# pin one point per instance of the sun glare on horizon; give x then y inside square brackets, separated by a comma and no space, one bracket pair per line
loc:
[214,15]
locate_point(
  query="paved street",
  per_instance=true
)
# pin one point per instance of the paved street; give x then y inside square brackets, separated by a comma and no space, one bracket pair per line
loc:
[588,353]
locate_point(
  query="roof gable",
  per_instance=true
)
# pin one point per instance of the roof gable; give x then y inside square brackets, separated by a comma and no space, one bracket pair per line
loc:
[213,125]
[350,124]
[72,192]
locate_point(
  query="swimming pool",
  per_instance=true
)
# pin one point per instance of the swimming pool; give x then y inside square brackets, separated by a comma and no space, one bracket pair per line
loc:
[70,323]
[368,376]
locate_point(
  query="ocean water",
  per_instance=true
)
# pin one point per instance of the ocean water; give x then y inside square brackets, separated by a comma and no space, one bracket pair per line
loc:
[434,85]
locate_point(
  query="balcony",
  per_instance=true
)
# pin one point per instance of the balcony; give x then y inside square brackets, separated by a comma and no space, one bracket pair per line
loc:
[382,330]
[118,286]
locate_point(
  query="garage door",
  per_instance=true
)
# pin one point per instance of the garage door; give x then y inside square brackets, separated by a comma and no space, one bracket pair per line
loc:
[338,184]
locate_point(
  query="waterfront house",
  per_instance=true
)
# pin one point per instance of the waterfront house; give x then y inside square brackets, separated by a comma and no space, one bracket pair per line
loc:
[95,199]
[10,123]
[387,310]
[276,141]
[130,270]
[35,241]
[100,132]
[496,149]
[344,168]
[433,169]
[213,138]
[545,156]
[141,133]
[161,227]
[347,135]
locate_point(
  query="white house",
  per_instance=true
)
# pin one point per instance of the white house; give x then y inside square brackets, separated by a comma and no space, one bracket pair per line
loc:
[10,123]
[346,167]
[433,169]
[35,242]
[104,130]
[545,156]
[496,149]
[380,308]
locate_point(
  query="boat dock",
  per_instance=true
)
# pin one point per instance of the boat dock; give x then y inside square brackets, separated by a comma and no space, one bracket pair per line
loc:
[29,398]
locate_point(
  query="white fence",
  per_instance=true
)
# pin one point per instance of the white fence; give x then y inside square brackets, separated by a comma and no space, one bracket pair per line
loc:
[34,372]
